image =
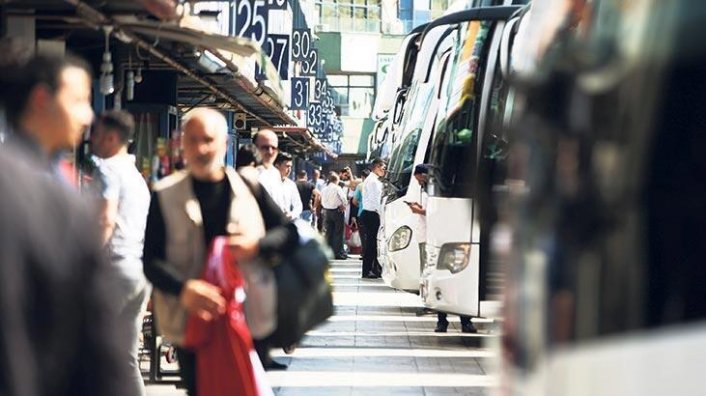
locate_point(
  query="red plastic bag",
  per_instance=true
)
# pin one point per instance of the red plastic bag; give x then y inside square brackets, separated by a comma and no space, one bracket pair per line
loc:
[226,363]
[347,232]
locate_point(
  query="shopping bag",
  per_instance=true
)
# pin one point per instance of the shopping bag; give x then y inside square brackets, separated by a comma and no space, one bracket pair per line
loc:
[223,346]
[304,291]
[260,298]
[354,243]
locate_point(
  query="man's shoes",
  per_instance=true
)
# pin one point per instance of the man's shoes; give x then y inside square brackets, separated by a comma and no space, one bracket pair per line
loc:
[341,257]
[441,327]
[468,328]
[290,349]
[275,366]
[371,275]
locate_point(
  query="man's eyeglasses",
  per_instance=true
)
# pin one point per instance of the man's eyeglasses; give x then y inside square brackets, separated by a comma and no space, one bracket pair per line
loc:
[267,148]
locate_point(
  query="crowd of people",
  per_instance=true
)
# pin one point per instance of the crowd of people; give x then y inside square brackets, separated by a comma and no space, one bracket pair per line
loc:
[90,258]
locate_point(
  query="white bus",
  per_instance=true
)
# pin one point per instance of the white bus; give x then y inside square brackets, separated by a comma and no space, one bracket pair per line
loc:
[398,239]
[467,157]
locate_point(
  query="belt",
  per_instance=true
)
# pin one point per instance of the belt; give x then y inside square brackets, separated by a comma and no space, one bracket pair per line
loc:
[331,209]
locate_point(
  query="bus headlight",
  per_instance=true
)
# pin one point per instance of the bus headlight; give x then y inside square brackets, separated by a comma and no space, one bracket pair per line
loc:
[400,239]
[454,257]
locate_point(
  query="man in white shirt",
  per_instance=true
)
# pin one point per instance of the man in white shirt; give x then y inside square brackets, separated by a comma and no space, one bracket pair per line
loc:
[124,201]
[333,202]
[421,173]
[269,177]
[292,203]
[372,197]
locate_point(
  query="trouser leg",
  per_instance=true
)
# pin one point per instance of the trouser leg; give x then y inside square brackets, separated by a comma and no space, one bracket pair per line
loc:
[329,230]
[371,220]
[338,234]
[130,317]
[362,231]
[187,369]
[134,291]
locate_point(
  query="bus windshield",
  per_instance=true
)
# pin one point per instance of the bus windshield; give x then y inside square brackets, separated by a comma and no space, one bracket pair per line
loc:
[454,148]
[402,158]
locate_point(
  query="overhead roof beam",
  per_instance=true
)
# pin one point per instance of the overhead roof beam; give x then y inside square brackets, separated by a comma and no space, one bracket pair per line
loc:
[96,17]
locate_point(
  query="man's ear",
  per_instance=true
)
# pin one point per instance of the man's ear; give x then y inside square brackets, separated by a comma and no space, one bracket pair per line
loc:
[113,137]
[39,97]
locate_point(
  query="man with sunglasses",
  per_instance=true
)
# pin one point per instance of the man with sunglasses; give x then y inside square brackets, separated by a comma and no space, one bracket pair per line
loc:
[269,176]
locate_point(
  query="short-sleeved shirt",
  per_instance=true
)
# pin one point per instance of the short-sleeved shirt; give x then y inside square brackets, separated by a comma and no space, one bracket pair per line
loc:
[332,197]
[117,179]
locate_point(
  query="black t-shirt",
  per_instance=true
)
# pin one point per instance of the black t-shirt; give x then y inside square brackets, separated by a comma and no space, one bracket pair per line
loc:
[306,190]
[214,199]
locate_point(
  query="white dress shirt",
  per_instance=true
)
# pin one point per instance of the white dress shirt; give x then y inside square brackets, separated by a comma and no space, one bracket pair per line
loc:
[332,196]
[271,181]
[291,199]
[372,193]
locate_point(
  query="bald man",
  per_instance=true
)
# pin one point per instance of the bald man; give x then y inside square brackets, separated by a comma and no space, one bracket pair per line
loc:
[269,176]
[188,210]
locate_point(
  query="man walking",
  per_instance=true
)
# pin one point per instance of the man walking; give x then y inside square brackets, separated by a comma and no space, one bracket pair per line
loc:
[123,204]
[372,197]
[269,176]
[58,327]
[307,195]
[50,109]
[188,210]
[333,202]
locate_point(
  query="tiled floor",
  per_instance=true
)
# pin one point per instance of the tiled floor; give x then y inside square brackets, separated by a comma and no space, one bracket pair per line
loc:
[376,345]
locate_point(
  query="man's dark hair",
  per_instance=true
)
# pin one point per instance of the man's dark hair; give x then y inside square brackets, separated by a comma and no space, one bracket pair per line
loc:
[301,174]
[16,54]
[247,155]
[422,169]
[377,162]
[282,157]
[122,122]
[22,79]
[365,172]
